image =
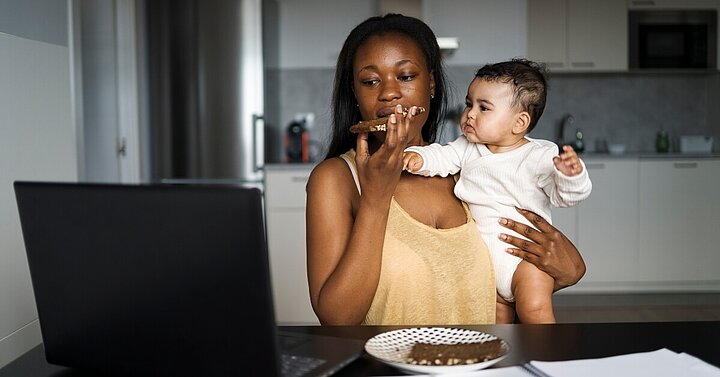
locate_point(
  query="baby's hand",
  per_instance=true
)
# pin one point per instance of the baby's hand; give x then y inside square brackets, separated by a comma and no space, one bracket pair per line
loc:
[412,161]
[568,162]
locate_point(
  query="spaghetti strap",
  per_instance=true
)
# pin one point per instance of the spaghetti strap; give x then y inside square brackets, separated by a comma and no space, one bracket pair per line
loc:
[351,165]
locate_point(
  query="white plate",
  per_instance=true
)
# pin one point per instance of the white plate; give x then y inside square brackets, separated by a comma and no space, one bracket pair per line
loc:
[393,347]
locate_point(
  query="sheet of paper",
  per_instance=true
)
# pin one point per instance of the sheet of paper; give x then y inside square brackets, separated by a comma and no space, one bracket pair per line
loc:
[658,363]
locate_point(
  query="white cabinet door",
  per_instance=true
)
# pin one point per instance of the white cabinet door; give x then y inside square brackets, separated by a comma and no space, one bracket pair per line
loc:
[565,219]
[578,35]
[597,35]
[285,211]
[286,242]
[607,236]
[547,33]
[679,221]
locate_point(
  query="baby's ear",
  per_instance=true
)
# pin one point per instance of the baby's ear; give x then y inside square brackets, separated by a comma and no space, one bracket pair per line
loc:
[522,122]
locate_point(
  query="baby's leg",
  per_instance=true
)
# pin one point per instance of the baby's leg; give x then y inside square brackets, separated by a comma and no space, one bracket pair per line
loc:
[504,311]
[533,290]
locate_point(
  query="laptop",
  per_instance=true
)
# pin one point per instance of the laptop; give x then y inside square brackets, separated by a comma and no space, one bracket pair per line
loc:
[155,280]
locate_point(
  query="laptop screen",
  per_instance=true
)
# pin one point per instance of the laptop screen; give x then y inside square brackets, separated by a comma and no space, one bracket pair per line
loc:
[150,280]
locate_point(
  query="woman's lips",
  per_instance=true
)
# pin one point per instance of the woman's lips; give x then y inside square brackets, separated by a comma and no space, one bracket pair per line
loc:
[385,112]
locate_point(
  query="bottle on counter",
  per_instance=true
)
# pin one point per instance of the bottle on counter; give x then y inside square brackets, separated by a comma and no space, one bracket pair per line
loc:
[579,144]
[662,142]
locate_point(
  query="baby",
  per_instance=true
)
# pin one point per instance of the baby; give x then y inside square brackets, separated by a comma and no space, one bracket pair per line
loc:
[501,168]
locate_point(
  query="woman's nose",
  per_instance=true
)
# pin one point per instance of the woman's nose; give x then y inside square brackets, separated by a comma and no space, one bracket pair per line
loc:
[390,90]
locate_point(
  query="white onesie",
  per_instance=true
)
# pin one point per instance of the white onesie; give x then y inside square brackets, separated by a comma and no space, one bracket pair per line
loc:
[493,184]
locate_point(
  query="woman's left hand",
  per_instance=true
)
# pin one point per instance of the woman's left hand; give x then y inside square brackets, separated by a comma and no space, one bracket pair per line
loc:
[545,247]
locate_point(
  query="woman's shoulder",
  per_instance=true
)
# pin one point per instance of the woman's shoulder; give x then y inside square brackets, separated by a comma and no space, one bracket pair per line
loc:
[329,167]
[330,174]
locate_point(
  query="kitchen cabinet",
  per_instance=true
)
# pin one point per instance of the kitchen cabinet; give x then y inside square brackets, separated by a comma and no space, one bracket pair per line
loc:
[487,32]
[285,218]
[679,223]
[565,219]
[578,35]
[607,220]
[648,225]
[673,4]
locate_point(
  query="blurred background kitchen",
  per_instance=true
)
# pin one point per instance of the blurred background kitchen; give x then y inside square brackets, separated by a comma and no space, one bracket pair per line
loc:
[238,92]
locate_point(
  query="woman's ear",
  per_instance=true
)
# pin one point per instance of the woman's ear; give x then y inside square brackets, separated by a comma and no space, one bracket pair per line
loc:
[522,122]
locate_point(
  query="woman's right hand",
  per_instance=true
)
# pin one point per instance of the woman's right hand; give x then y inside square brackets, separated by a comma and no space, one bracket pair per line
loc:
[380,171]
[545,247]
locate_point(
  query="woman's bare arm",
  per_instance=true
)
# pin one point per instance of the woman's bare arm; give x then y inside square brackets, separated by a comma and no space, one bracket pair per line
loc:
[344,250]
[346,231]
[545,247]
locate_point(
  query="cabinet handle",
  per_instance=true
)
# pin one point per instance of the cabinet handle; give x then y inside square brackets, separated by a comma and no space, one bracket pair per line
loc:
[594,166]
[685,165]
[647,3]
[299,179]
[583,64]
[555,64]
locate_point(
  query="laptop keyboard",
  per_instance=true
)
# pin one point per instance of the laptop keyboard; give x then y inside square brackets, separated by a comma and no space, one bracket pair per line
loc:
[296,366]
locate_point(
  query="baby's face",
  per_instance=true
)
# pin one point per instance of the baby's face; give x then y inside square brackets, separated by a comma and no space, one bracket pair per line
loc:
[489,117]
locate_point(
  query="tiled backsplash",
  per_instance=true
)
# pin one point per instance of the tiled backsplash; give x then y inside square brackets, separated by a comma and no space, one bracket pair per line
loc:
[627,108]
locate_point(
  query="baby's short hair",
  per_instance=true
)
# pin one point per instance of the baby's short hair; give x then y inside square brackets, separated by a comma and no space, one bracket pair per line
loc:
[529,83]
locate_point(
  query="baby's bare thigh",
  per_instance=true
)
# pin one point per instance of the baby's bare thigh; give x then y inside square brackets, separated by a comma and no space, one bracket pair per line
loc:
[528,280]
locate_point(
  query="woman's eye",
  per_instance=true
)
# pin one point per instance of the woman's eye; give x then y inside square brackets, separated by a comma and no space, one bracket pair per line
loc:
[468,105]
[406,77]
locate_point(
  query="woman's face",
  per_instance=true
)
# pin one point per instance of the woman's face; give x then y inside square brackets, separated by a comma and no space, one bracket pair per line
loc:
[389,70]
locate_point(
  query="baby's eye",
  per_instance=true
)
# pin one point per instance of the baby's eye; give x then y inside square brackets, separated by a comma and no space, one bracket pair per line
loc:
[483,108]
[468,105]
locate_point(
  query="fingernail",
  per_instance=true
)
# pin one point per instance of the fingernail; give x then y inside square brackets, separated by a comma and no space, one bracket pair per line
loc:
[393,118]
[413,110]
[509,251]
[503,221]
[398,108]
[502,236]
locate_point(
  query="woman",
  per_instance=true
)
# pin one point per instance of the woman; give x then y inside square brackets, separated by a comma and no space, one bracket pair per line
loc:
[406,251]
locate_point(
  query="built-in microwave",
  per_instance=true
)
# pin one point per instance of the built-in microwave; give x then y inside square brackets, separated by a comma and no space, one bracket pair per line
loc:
[672,39]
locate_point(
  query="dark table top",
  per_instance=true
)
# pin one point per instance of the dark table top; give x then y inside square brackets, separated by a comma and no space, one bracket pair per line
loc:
[527,342]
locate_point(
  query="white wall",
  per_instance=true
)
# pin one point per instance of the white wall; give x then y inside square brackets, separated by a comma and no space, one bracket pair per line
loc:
[37,142]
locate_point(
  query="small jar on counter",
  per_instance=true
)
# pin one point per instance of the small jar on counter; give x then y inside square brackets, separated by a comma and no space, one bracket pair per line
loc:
[662,142]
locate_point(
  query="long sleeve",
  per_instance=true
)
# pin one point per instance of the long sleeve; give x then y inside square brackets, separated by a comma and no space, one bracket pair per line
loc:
[442,160]
[563,190]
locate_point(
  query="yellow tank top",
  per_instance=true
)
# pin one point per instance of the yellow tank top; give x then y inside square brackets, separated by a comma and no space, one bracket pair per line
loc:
[431,276]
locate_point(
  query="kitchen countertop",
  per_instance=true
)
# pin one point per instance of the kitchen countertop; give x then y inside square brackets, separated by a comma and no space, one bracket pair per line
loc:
[585,156]
[648,155]
[289,166]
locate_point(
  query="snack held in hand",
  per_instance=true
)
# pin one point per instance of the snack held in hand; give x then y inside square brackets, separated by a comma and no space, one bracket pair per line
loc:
[379,124]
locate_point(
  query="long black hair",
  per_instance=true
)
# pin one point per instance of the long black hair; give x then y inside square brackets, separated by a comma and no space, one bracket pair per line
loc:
[344,110]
